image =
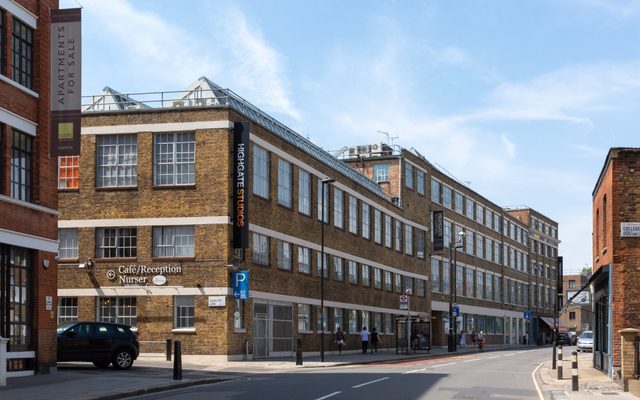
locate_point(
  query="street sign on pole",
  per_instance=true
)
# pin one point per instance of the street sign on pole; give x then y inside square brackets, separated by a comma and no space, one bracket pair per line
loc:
[527,314]
[404,302]
[240,285]
[456,311]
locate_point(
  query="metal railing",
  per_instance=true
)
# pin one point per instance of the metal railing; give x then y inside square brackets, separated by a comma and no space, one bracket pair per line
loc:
[222,98]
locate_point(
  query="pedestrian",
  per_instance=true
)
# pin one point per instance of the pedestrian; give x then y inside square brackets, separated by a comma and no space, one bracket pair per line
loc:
[480,340]
[463,341]
[374,340]
[474,338]
[364,337]
[414,341]
[340,340]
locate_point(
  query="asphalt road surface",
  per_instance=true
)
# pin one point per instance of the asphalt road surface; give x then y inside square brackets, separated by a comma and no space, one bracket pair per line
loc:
[499,375]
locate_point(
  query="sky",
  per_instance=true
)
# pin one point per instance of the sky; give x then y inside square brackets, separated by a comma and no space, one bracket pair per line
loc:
[520,99]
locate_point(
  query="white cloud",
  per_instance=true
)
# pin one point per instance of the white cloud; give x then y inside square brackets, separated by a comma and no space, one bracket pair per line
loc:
[510,147]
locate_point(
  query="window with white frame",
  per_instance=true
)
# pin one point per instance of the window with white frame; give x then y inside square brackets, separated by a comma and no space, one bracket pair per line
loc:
[469,236]
[446,277]
[421,244]
[421,287]
[488,218]
[284,183]
[388,324]
[353,321]
[459,278]
[116,242]
[388,231]
[322,265]
[435,275]
[469,208]
[377,226]
[184,315]
[353,215]
[68,243]
[408,239]
[470,292]
[116,161]
[365,320]
[304,318]
[458,202]
[338,319]
[489,250]
[408,175]
[365,275]
[488,285]
[398,235]
[497,288]
[420,183]
[304,192]
[119,310]
[447,233]
[388,281]
[496,252]
[353,272]
[447,194]
[381,173]
[284,255]
[366,221]
[304,260]
[480,284]
[322,319]
[435,191]
[377,278]
[496,222]
[67,309]
[377,322]
[479,246]
[174,241]
[479,213]
[323,201]
[260,171]
[68,171]
[174,158]
[398,283]
[338,268]
[260,249]
[338,208]
[408,284]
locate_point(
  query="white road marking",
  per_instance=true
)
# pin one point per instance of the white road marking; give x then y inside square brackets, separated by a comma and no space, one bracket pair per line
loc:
[327,396]
[472,359]
[415,370]
[535,382]
[510,354]
[491,358]
[442,365]
[369,383]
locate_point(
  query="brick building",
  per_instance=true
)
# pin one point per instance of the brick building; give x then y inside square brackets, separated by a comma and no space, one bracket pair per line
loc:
[492,283]
[28,197]
[146,236]
[577,315]
[615,281]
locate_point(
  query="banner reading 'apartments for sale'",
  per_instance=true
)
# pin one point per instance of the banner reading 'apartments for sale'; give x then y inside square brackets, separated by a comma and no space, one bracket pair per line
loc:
[66,74]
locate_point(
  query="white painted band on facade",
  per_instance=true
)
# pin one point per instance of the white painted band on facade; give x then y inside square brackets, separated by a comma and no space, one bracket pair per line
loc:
[160,127]
[105,223]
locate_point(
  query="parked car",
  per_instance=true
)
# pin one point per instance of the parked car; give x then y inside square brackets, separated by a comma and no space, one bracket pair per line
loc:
[564,339]
[101,343]
[585,341]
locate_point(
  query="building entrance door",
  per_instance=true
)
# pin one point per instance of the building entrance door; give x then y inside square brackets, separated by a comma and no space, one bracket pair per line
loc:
[260,321]
[272,330]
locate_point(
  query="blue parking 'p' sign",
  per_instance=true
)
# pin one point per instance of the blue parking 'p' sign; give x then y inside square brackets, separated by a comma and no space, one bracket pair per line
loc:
[527,314]
[240,285]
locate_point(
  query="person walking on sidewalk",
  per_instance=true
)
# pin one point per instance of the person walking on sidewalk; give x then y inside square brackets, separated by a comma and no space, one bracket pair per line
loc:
[463,340]
[375,339]
[364,337]
[481,340]
[474,338]
[340,340]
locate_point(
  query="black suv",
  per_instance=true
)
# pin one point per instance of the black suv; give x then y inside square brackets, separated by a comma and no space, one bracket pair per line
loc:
[564,339]
[101,343]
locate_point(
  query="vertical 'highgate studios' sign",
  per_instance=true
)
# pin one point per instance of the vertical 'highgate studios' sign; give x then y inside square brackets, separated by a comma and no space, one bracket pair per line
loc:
[65,82]
[438,230]
[240,185]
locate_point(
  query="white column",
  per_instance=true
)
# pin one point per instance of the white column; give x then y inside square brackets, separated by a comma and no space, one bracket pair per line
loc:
[3,361]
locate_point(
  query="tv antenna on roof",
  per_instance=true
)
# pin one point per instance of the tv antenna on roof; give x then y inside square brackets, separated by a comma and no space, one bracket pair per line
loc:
[390,139]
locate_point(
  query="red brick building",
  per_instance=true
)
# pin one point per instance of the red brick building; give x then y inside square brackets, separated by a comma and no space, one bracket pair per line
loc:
[615,283]
[577,315]
[28,196]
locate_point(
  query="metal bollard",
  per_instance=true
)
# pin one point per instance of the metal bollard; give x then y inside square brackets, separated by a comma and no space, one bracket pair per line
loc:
[299,351]
[574,371]
[168,351]
[177,361]
[553,358]
[560,363]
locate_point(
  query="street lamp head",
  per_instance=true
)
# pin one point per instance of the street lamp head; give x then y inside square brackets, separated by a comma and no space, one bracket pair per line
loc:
[461,234]
[327,180]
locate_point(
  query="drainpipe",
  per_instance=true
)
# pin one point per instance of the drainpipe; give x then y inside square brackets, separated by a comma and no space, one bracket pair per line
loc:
[610,328]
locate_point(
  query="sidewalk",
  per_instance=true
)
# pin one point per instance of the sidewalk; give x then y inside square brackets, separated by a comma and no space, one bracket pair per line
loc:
[592,383]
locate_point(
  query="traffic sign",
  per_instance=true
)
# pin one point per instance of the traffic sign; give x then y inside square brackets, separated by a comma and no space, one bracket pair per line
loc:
[456,311]
[240,285]
[403,298]
[527,314]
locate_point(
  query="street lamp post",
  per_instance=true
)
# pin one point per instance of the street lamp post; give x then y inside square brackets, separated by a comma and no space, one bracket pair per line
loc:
[453,292]
[324,182]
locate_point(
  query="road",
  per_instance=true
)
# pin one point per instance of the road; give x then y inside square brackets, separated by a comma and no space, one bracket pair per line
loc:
[496,375]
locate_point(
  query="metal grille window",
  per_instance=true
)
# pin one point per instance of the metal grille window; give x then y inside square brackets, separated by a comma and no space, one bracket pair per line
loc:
[353,272]
[68,243]
[120,310]
[67,309]
[388,281]
[184,312]
[68,171]
[21,168]
[304,192]
[16,266]
[116,161]
[284,255]
[174,159]
[381,173]
[353,215]
[377,226]
[338,270]
[366,275]
[260,172]
[260,249]
[284,183]
[304,318]
[22,54]
[338,208]
[173,241]
[408,175]
[304,260]
[366,220]
[116,242]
